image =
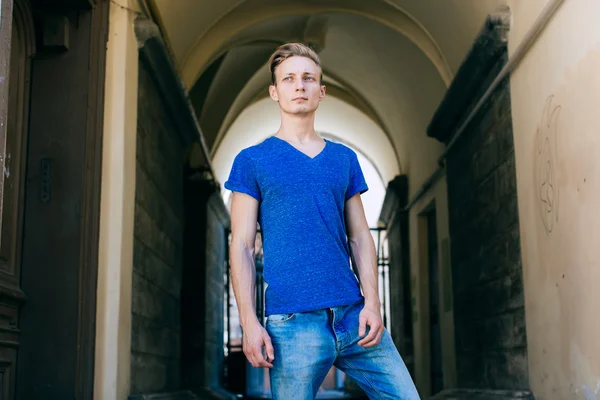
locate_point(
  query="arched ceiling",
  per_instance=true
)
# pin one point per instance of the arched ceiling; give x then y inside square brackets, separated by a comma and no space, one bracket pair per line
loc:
[390,59]
[226,33]
[255,91]
[199,31]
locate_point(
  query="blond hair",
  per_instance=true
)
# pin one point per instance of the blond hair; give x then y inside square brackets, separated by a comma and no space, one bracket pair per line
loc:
[288,50]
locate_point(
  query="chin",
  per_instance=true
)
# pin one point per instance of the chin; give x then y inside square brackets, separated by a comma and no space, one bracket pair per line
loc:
[302,109]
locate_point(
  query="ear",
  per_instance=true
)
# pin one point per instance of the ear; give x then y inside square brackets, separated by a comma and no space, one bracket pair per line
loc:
[322,92]
[273,93]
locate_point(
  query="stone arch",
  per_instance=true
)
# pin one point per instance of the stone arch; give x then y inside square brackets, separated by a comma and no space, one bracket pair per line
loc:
[336,88]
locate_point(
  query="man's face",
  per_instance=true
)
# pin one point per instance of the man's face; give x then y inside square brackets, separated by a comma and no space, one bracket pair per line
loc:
[298,89]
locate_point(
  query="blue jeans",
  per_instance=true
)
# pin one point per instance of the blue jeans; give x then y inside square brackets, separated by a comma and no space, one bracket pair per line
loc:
[308,344]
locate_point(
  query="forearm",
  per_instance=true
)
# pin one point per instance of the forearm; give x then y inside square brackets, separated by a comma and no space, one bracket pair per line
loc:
[243,278]
[363,249]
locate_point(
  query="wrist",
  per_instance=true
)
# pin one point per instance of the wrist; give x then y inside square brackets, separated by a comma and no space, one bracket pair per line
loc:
[248,323]
[248,319]
[372,303]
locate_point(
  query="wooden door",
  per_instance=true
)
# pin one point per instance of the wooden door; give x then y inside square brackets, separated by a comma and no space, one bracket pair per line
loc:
[13,192]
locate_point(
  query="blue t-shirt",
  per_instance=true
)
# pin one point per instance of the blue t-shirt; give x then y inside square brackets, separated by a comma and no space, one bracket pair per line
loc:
[301,214]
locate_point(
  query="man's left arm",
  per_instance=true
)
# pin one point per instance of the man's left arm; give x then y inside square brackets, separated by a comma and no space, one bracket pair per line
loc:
[363,249]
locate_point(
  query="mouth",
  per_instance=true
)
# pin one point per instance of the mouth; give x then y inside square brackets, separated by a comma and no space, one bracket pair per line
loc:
[299,99]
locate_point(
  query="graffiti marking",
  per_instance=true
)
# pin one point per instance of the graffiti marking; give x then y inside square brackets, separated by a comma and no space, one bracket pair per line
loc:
[545,165]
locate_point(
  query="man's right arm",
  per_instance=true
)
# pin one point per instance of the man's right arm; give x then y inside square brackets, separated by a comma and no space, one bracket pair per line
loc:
[244,213]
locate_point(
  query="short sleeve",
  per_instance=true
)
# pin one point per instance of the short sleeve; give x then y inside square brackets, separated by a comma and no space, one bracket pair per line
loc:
[357,183]
[242,177]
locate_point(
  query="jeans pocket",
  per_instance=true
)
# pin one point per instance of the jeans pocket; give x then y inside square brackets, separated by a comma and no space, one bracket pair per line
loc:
[279,318]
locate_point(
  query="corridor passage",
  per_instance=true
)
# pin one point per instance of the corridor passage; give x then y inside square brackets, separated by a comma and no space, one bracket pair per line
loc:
[473,122]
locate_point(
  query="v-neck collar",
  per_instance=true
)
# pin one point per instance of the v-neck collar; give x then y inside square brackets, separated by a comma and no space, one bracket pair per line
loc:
[300,151]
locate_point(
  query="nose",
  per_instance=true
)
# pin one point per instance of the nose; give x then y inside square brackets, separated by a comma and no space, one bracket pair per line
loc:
[299,85]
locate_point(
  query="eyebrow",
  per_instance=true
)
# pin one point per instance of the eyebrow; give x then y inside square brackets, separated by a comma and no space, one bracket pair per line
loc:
[304,73]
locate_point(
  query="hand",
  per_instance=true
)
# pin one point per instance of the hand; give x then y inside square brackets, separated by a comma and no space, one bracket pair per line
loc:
[255,337]
[372,318]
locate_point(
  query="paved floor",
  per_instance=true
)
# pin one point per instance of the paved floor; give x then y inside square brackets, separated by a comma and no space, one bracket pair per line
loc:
[322,395]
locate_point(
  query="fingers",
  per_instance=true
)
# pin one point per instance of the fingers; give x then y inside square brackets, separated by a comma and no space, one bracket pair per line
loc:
[254,352]
[255,357]
[374,336]
[269,348]
[362,325]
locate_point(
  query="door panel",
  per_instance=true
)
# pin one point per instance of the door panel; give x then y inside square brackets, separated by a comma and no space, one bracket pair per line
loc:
[13,193]
[62,203]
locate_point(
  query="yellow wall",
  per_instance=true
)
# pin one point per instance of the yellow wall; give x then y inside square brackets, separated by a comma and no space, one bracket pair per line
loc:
[113,305]
[555,106]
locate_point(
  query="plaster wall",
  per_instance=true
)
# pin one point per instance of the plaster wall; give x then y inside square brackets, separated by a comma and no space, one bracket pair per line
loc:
[555,96]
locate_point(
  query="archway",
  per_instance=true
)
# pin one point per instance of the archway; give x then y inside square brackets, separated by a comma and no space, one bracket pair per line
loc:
[337,121]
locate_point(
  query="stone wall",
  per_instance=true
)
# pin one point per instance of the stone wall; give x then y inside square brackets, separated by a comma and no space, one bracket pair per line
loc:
[487,275]
[155,347]
[486,256]
[216,255]
[179,252]
[205,253]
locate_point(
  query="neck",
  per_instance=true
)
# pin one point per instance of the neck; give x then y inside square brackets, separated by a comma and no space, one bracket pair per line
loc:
[297,127]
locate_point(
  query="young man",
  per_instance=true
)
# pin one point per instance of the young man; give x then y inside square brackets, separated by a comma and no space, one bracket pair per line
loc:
[305,193]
